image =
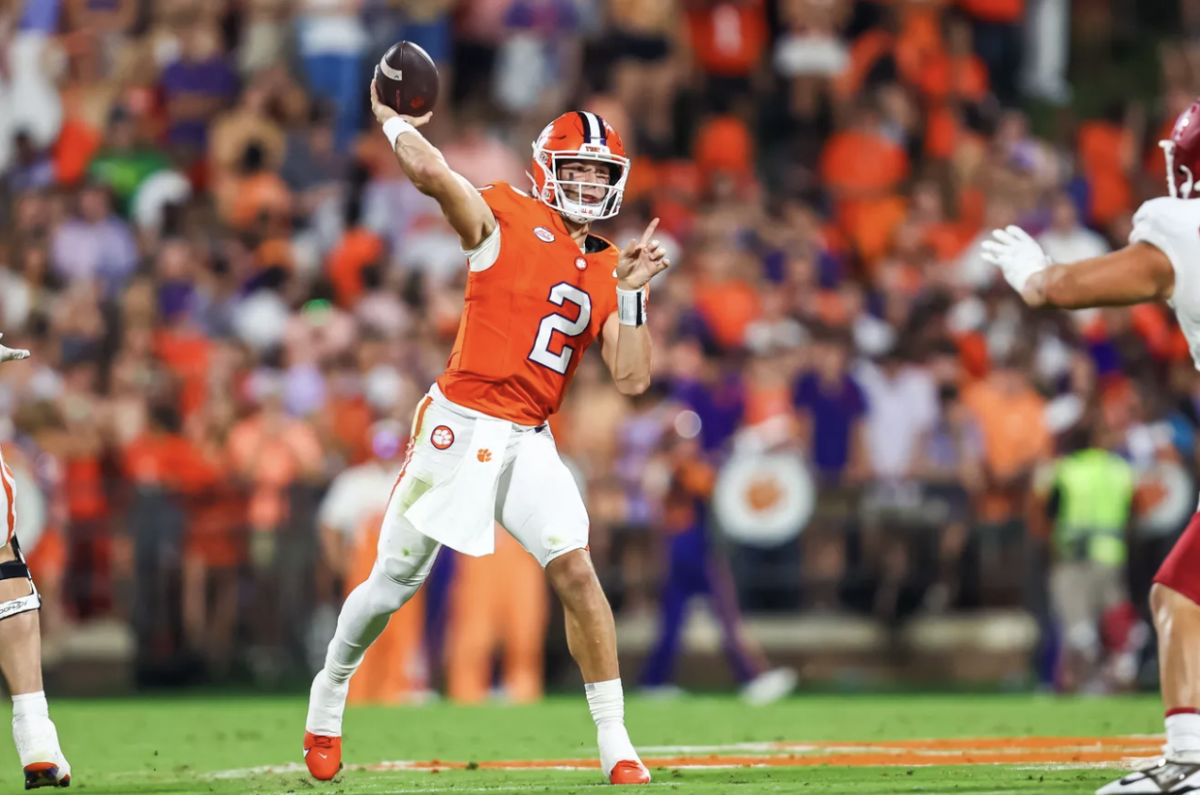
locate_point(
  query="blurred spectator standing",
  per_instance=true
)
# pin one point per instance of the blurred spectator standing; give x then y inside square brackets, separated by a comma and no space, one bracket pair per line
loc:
[1090,492]
[332,42]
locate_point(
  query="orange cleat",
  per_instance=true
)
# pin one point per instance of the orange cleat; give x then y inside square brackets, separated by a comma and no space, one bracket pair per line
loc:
[46,774]
[629,773]
[323,755]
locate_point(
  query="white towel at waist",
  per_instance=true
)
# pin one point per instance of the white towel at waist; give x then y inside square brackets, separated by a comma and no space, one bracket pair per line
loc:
[460,511]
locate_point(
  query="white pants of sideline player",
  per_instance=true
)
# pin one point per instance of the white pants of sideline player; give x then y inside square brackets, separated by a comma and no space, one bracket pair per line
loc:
[537,501]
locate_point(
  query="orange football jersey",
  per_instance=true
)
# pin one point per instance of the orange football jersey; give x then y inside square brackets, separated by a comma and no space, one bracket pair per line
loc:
[534,303]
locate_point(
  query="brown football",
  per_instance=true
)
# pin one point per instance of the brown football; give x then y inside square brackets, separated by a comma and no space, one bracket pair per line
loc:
[407,79]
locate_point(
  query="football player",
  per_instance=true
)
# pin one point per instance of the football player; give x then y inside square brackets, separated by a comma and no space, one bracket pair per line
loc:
[1161,263]
[21,645]
[540,289]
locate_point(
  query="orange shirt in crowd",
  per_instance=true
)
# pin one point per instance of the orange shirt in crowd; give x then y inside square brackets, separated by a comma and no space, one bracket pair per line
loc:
[1013,431]
[862,164]
[161,459]
[262,193]
[1105,151]
[864,171]
[358,249]
[272,459]
[1014,439]
[728,307]
[1005,12]
[965,77]
[724,144]
[351,419]
[77,144]
[766,402]
[864,53]
[186,354]
[728,38]
[86,499]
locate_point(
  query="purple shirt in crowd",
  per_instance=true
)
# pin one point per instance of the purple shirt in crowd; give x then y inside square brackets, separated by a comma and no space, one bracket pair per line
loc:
[834,409]
[210,79]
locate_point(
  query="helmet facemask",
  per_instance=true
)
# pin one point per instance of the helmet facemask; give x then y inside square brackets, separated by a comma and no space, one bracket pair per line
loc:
[567,196]
[1181,182]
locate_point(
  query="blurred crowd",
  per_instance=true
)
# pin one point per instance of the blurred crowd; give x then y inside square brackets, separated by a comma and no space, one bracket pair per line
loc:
[230,289]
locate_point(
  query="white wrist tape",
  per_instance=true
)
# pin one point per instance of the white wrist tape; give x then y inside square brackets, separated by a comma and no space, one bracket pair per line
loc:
[631,307]
[394,127]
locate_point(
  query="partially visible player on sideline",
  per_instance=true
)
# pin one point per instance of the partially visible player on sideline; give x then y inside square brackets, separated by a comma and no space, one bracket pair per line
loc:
[21,645]
[540,289]
[1161,263]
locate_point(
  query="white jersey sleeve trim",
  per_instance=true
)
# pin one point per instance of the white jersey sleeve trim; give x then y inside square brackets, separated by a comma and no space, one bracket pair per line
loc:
[1149,228]
[486,253]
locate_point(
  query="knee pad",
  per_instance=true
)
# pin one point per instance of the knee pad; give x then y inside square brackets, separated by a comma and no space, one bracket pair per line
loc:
[388,593]
[406,573]
[16,570]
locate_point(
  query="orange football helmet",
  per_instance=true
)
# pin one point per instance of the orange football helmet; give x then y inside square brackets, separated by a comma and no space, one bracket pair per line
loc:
[579,136]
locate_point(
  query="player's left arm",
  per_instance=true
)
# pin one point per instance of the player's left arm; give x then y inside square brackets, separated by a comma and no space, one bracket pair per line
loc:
[1136,274]
[625,338]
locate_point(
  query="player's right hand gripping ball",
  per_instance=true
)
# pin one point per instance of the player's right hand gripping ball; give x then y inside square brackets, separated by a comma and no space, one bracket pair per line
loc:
[407,80]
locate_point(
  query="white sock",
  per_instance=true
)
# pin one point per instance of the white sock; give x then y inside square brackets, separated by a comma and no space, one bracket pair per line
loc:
[1183,732]
[326,706]
[30,705]
[607,702]
[33,731]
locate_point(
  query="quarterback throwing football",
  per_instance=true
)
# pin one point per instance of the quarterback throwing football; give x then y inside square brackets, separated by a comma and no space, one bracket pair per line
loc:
[540,289]
[1161,263]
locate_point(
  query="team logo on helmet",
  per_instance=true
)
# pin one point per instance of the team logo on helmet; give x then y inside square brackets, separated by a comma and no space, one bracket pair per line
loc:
[442,437]
[544,234]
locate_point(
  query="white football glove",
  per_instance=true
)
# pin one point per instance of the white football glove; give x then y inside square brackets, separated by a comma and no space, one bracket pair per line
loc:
[11,354]
[1016,254]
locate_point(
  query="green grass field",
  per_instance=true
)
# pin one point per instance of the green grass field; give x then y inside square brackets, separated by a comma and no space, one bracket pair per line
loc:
[165,745]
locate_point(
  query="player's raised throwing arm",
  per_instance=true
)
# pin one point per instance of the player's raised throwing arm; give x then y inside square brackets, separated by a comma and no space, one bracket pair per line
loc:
[1136,274]
[461,203]
[625,343]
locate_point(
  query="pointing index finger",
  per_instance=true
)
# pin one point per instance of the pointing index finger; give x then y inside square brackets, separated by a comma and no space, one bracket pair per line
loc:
[648,233]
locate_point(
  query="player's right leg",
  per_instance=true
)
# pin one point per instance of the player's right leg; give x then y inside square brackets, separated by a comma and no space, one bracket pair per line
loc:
[1175,601]
[21,664]
[403,560]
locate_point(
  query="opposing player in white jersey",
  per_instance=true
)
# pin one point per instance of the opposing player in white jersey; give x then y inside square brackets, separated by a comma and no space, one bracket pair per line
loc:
[1161,263]
[21,645]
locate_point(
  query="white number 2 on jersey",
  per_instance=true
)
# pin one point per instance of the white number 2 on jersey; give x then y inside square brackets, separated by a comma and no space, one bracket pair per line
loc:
[560,293]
